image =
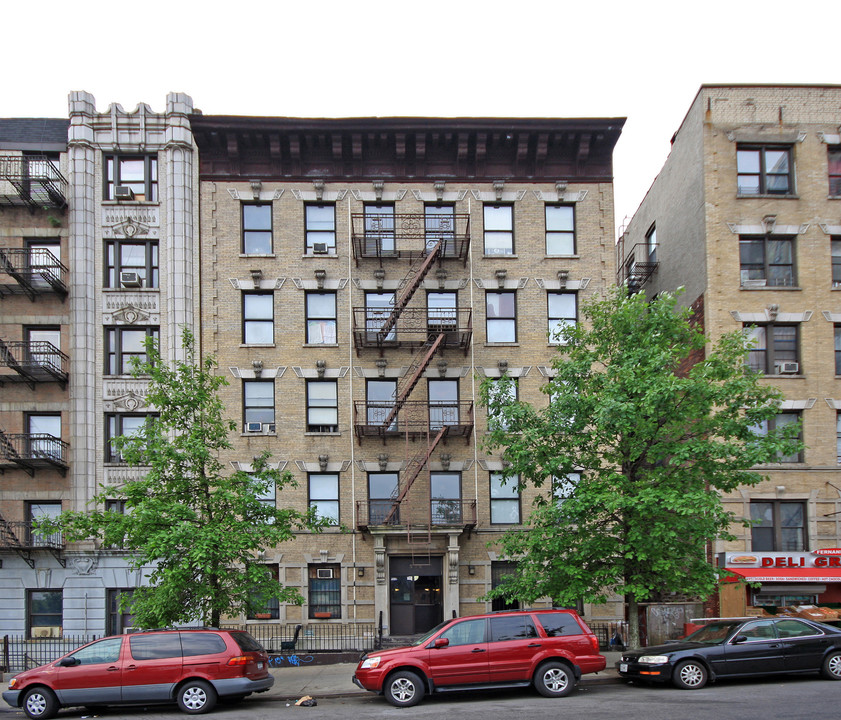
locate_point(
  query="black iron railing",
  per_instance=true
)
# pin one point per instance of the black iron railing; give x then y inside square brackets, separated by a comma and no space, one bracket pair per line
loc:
[32,181]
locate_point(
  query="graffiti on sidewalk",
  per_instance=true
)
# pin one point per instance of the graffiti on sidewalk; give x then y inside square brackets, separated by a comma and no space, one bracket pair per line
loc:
[277,661]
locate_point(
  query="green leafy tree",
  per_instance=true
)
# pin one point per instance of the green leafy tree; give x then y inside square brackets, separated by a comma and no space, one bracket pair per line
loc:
[196,529]
[634,449]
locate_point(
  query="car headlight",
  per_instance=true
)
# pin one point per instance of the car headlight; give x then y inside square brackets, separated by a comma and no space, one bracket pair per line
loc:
[370,663]
[12,683]
[653,659]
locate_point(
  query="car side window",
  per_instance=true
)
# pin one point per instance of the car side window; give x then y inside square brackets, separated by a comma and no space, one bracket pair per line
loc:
[557,624]
[512,627]
[795,628]
[761,630]
[156,646]
[202,643]
[104,651]
[469,632]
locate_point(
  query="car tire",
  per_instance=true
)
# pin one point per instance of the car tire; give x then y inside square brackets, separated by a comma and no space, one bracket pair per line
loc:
[554,679]
[690,675]
[404,688]
[831,668]
[40,703]
[196,697]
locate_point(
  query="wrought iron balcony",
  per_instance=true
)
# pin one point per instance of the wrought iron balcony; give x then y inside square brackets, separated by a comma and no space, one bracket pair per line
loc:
[31,181]
[375,328]
[32,362]
[23,539]
[32,451]
[637,267]
[430,514]
[409,235]
[31,272]
[416,418]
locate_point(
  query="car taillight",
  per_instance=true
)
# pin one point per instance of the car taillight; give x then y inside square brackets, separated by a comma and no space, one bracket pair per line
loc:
[594,641]
[239,660]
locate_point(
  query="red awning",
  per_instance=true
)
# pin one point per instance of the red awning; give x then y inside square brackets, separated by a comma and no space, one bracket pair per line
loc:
[786,574]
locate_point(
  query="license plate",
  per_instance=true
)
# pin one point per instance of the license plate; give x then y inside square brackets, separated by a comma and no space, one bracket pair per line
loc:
[623,667]
[259,666]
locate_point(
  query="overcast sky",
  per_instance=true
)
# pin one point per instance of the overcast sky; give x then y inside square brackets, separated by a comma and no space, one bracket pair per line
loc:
[643,60]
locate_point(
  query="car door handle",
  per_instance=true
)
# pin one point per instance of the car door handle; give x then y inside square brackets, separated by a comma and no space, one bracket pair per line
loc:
[113,668]
[478,650]
[534,645]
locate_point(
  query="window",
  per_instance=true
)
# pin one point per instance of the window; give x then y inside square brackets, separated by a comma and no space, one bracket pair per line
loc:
[445,497]
[36,510]
[441,312]
[44,262]
[501,317]
[322,406]
[562,312]
[775,424]
[265,492]
[467,632]
[378,309]
[119,611]
[764,170]
[778,526]
[499,230]
[383,489]
[43,344]
[258,318]
[257,229]
[775,349]
[100,652]
[324,496]
[44,436]
[380,397]
[504,394]
[156,646]
[44,613]
[261,607]
[512,627]
[379,228]
[115,506]
[835,251]
[837,329]
[321,318]
[122,344]
[443,403]
[651,244]
[320,229]
[766,261]
[131,256]
[560,230]
[325,591]
[258,402]
[120,424]
[500,572]
[505,499]
[138,173]
[564,487]
[558,624]
[834,157]
[440,225]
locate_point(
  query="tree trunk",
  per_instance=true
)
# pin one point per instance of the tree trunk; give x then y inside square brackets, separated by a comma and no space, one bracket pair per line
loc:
[633,621]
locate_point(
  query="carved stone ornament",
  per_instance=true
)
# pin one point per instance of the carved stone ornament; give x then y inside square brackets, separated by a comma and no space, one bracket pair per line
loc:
[130,315]
[129,402]
[84,565]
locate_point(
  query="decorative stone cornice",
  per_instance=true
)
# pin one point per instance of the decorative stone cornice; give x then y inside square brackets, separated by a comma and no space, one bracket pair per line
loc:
[500,284]
[261,195]
[251,373]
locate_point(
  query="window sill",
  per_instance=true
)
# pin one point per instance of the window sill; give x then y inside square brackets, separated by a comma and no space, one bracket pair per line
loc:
[767,197]
[775,288]
[258,434]
[502,344]
[320,256]
[497,256]
[778,376]
[257,345]
[131,289]
[320,345]
[257,255]
[575,256]
[132,203]
[335,433]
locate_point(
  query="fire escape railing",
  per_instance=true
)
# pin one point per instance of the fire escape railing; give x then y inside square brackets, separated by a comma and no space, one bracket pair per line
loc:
[30,451]
[33,361]
[635,268]
[22,538]
[32,272]
[408,235]
[31,181]
[413,327]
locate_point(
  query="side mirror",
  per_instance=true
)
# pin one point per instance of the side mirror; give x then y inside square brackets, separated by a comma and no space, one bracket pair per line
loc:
[739,639]
[441,643]
[69,662]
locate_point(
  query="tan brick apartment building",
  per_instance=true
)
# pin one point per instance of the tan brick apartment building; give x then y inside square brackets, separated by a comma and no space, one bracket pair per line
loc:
[359,279]
[746,216]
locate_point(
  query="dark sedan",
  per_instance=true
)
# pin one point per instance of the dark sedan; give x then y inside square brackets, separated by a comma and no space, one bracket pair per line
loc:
[739,648]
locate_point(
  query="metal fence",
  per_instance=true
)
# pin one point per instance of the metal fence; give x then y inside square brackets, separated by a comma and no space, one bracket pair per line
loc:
[21,653]
[612,635]
[315,637]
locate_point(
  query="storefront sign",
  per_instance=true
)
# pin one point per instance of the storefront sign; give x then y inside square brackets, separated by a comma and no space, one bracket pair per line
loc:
[828,558]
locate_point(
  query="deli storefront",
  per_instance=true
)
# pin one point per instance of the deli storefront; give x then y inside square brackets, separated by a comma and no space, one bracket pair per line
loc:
[776,581]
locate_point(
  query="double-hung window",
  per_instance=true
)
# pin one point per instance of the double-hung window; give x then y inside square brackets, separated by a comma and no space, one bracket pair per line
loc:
[380,399]
[120,425]
[325,591]
[44,613]
[321,318]
[379,229]
[501,316]
[37,510]
[499,229]
[505,499]
[766,261]
[775,349]
[322,406]
[564,487]
[834,158]
[440,226]
[383,489]
[775,424]
[320,228]
[764,170]
[262,607]
[324,496]
[500,394]
[443,403]
[445,498]
[562,312]
[124,344]
[560,230]
[258,404]
[257,228]
[835,251]
[441,311]
[131,263]
[258,318]
[131,177]
[119,617]
[778,526]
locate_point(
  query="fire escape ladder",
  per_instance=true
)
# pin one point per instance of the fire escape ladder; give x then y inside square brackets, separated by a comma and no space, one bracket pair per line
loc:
[409,286]
[10,541]
[419,363]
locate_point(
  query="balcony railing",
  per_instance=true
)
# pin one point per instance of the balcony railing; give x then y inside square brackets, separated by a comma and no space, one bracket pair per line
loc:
[23,535]
[32,272]
[32,451]
[412,327]
[438,513]
[636,267]
[409,235]
[33,361]
[416,418]
[31,181]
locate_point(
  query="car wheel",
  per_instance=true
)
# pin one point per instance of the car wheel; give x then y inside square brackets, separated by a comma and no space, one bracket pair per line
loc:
[690,675]
[832,666]
[554,679]
[404,689]
[196,697]
[40,703]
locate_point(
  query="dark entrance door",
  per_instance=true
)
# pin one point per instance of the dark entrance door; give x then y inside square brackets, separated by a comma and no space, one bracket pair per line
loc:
[415,594]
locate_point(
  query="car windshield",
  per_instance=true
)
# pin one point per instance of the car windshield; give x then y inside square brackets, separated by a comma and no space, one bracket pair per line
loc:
[713,633]
[423,638]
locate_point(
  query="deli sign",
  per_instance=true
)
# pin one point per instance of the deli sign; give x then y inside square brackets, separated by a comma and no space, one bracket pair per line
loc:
[826,558]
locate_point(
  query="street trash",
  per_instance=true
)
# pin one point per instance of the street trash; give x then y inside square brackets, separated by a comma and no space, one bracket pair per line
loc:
[307,701]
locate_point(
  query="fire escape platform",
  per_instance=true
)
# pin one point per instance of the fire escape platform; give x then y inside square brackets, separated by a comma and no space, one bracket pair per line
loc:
[408,236]
[412,420]
[31,272]
[33,451]
[32,362]
[412,329]
[31,181]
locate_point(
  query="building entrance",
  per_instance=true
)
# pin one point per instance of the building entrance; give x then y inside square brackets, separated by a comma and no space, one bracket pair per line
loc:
[415,595]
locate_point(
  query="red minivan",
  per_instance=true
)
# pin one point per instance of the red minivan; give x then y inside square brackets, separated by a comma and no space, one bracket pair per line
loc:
[192,667]
[549,649]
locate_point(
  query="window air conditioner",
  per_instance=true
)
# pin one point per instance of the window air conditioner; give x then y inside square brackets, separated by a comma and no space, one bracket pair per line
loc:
[253,427]
[324,573]
[130,279]
[52,631]
[789,368]
[319,248]
[270,427]
[123,192]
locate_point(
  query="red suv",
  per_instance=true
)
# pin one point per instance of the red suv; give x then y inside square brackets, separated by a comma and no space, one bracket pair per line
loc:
[193,667]
[550,649]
